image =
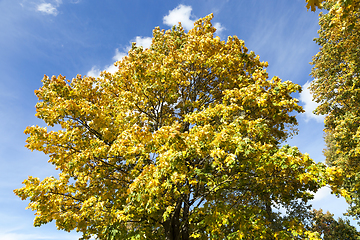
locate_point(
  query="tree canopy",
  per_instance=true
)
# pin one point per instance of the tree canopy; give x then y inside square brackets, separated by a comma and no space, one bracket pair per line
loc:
[337,88]
[332,229]
[183,141]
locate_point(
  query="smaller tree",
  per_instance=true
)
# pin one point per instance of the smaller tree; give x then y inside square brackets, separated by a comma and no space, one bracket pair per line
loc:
[330,229]
[337,88]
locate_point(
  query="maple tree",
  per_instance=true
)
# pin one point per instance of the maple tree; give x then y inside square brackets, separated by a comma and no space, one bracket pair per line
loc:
[337,88]
[183,141]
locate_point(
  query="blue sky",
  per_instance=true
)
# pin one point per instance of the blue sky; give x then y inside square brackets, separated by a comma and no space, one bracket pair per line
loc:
[72,37]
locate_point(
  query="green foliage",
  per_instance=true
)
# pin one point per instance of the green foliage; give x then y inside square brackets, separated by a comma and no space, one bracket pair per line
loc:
[331,229]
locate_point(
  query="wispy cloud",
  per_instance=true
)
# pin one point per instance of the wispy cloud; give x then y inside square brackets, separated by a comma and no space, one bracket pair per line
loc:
[23,236]
[309,105]
[49,8]
[22,231]
[183,14]
[145,42]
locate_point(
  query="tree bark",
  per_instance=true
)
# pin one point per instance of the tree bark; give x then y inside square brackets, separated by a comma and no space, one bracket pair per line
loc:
[185,220]
[172,225]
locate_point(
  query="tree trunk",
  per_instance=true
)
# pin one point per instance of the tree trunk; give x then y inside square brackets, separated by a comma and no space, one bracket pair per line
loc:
[185,222]
[172,225]
[174,228]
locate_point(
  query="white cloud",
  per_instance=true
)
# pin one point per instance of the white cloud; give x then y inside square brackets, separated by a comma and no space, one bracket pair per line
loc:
[322,193]
[118,55]
[111,69]
[145,42]
[47,8]
[309,104]
[94,72]
[181,14]
[219,28]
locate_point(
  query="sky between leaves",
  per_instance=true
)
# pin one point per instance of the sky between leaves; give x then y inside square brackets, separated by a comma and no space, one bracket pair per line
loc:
[82,36]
